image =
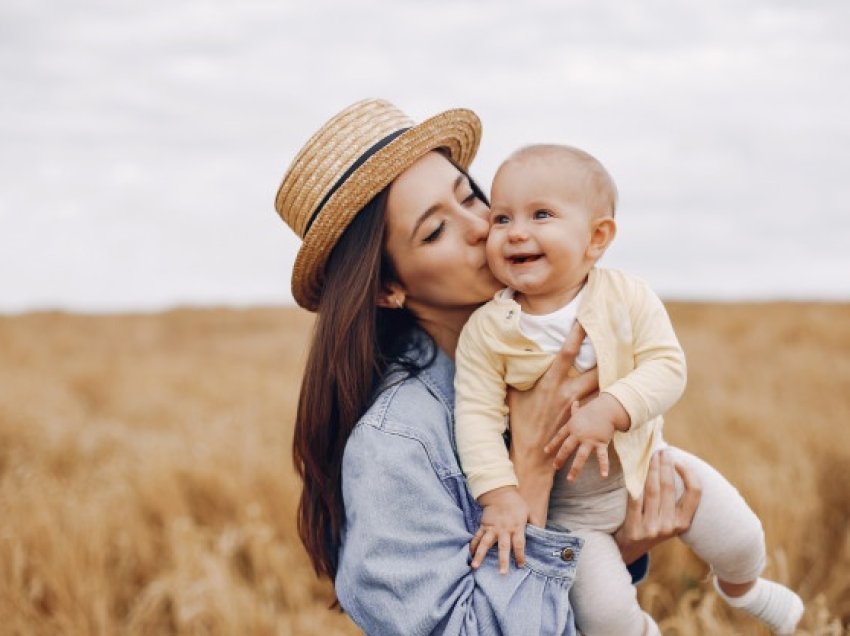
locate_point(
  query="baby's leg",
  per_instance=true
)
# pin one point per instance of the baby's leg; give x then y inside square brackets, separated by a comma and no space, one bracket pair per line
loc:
[602,596]
[727,535]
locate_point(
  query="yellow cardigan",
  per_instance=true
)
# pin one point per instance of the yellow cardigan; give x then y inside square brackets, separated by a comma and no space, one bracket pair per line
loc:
[639,359]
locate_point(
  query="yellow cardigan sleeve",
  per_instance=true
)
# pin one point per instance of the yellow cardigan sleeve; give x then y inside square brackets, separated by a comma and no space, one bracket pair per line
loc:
[480,409]
[660,373]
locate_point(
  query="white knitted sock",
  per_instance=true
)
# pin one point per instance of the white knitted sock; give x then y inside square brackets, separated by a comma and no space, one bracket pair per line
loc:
[651,626]
[775,604]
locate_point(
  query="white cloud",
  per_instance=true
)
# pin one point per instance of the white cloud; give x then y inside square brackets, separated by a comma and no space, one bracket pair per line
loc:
[142,142]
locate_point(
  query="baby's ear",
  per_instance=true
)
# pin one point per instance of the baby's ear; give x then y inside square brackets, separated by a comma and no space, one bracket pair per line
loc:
[602,232]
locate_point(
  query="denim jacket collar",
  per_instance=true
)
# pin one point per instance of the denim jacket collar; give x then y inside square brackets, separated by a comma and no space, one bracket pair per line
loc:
[438,376]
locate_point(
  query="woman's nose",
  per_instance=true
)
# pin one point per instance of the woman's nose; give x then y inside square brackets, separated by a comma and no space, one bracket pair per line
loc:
[477,228]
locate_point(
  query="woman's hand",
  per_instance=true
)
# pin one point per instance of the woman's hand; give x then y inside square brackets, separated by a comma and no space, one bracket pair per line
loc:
[536,415]
[656,516]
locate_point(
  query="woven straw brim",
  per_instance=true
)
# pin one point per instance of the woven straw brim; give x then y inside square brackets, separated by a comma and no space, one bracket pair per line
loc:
[458,131]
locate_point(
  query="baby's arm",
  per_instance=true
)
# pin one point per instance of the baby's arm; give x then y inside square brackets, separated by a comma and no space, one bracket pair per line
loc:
[651,388]
[660,374]
[480,412]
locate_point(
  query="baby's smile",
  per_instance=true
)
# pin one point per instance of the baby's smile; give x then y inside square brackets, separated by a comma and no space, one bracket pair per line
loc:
[524,257]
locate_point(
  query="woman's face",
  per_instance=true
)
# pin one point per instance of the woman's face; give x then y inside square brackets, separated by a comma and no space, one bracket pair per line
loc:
[436,234]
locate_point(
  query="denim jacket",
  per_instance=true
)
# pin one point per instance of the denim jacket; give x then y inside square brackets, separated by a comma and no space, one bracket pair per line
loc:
[403,562]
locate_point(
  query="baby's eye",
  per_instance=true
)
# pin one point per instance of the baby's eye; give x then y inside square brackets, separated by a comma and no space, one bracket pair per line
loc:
[542,214]
[500,219]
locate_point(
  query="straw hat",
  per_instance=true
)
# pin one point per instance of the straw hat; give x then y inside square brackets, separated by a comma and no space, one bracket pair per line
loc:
[346,164]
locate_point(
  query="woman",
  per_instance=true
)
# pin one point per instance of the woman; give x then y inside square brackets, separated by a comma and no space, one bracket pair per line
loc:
[393,261]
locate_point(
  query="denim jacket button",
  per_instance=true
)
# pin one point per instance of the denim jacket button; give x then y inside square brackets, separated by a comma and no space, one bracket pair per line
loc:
[567,554]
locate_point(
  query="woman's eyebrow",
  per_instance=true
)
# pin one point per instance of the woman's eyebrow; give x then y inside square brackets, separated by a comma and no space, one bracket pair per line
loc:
[422,218]
[434,207]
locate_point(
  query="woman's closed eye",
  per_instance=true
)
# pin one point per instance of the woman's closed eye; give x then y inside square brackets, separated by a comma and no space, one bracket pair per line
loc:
[435,234]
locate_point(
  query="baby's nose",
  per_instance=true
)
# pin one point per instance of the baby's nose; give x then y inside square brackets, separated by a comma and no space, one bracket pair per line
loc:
[517,233]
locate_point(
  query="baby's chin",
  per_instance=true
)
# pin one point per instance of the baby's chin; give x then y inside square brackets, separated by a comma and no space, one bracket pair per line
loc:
[527,286]
[518,286]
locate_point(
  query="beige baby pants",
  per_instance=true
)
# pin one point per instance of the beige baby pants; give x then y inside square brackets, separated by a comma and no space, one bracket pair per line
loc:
[725,533]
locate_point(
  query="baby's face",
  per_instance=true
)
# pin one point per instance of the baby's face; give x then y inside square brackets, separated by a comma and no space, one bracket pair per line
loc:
[540,228]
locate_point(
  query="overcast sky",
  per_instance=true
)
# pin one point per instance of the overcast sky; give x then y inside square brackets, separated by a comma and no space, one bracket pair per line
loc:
[141,143]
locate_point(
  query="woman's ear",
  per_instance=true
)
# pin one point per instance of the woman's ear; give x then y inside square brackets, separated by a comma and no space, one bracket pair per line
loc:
[602,232]
[391,297]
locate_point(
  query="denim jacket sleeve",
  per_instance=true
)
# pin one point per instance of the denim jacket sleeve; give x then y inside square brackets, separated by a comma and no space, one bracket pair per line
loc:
[404,556]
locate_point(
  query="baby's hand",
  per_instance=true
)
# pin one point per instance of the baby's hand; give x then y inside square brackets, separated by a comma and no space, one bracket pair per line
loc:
[503,524]
[589,429]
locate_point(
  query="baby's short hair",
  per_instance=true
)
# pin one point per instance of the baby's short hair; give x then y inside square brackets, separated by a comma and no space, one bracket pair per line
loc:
[601,189]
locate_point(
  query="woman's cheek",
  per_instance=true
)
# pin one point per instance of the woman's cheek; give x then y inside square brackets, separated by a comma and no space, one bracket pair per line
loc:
[492,256]
[451,274]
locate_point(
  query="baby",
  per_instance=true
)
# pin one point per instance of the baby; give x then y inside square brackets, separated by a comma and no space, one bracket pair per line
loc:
[552,218]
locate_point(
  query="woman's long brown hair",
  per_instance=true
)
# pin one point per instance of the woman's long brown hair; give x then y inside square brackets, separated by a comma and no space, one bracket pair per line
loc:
[353,343]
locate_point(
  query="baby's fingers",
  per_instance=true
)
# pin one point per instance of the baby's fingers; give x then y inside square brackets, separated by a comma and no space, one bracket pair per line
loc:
[487,541]
[519,548]
[582,454]
[476,539]
[557,440]
[563,432]
[567,448]
[602,458]
[504,551]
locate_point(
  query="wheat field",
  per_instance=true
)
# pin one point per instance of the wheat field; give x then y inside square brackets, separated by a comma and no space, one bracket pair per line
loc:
[146,485]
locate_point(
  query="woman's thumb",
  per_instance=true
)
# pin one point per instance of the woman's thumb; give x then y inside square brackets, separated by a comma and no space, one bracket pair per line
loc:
[572,344]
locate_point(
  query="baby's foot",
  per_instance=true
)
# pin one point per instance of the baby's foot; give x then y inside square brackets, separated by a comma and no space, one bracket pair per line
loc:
[775,604]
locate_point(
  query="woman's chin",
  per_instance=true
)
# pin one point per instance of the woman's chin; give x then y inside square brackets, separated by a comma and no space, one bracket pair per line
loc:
[489,282]
[491,291]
